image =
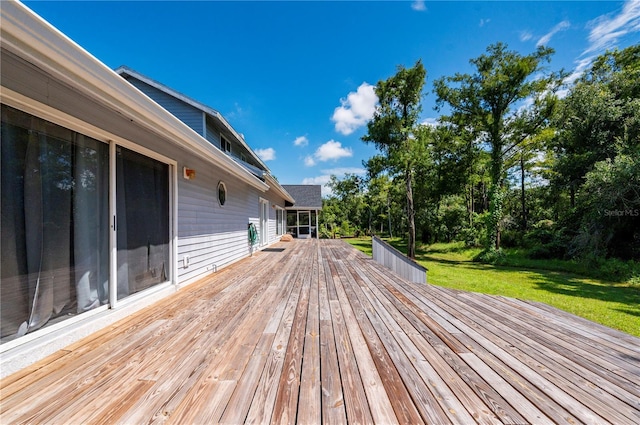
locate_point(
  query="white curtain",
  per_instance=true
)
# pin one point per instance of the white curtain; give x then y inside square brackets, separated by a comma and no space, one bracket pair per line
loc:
[54,223]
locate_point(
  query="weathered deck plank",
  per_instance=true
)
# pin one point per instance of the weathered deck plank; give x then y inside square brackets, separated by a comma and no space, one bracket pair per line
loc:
[319,333]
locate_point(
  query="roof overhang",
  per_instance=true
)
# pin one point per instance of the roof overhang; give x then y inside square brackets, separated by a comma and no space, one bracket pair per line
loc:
[303,208]
[28,35]
[275,186]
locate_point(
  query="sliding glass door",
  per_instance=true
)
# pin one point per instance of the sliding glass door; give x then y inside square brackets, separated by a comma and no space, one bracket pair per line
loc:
[56,224]
[142,204]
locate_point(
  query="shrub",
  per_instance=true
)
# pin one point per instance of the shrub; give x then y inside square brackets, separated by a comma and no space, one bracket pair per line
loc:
[511,238]
[476,235]
[491,256]
[546,241]
[543,233]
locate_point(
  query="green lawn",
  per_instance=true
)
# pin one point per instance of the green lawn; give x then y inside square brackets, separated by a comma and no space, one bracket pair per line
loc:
[616,305]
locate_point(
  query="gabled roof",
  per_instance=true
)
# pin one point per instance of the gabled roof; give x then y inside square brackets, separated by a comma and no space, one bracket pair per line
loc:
[125,70]
[306,195]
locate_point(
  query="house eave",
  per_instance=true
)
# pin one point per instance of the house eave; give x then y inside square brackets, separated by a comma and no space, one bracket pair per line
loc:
[302,207]
[275,186]
[26,34]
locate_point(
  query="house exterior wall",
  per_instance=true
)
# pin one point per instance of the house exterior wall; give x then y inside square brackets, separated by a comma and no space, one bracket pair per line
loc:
[213,134]
[213,236]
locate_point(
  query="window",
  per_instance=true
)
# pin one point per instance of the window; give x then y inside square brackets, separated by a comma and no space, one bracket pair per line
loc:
[222,193]
[303,218]
[55,223]
[292,223]
[225,145]
[264,221]
[279,221]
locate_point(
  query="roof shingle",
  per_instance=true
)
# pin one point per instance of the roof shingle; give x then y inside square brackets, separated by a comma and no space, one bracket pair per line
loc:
[306,196]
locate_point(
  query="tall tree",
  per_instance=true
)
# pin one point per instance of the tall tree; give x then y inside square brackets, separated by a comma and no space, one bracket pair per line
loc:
[392,130]
[600,117]
[597,147]
[508,98]
[348,192]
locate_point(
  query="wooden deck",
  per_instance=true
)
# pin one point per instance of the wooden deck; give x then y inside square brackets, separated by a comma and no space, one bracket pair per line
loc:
[315,332]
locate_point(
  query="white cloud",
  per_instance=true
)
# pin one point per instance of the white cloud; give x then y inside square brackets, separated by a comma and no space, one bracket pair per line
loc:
[419,5]
[321,180]
[582,64]
[267,154]
[356,109]
[432,122]
[238,112]
[341,171]
[484,22]
[525,36]
[606,30]
[309,161]
[332,150]
[326,175]
[545,39]
[301,141]
[324,179]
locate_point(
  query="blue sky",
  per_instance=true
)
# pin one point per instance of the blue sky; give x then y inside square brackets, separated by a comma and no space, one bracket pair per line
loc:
[296,78]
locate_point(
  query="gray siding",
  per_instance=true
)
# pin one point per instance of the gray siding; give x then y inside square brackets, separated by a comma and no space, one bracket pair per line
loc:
[213,134]
[186,113]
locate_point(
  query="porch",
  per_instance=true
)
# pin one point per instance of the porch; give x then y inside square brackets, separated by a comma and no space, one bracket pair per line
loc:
[313,331]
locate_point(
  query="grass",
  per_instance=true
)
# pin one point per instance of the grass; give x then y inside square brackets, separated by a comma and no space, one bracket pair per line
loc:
[612,304]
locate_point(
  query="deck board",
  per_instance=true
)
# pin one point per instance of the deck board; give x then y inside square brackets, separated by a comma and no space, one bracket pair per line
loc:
[319,333]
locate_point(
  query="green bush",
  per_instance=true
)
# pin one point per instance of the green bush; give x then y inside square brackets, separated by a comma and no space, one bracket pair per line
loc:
[346,229]
[491,256]
[542,233]
[511,238]
[546,241]
[474,236]
[614,269]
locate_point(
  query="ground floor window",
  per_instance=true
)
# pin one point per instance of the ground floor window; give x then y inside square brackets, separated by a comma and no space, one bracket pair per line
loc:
[302,223]
[280,221]
[56,223]
[264,221]
[292,223]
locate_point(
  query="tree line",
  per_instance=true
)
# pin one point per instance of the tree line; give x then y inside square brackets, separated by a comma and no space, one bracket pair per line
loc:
[520,157]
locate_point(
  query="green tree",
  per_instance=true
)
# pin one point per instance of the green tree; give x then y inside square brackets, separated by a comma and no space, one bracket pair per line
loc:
[528,159]
[597,146]
[586,122]
[610,209]
[599,118]
[392,130]
[348,195]
[381,203]
[507,99]
[329,217]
